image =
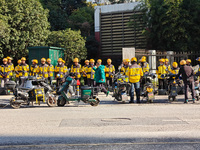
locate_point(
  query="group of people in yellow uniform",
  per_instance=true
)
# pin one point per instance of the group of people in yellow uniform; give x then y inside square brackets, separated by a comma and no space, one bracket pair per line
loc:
[130,68]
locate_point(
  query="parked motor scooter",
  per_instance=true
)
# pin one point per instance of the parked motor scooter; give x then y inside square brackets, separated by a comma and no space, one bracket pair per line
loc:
[121,87]
[68,93]
[148,88]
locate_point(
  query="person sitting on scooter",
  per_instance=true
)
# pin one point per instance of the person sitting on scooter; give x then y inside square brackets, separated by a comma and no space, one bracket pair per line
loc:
[173,72]
[161,72]
[100,78]
[59,72]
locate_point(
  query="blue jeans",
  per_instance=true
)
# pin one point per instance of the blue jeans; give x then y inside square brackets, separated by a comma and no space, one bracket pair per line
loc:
[136,87]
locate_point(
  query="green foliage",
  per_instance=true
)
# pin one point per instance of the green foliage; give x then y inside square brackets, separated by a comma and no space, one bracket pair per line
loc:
[170,24]
[25,23]
[83,19]
[72,41]
[59,10]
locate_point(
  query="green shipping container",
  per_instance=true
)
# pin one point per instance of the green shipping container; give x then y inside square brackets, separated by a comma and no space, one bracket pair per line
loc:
[39,52]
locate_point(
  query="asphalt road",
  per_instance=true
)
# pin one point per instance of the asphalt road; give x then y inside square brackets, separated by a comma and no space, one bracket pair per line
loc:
[111,125]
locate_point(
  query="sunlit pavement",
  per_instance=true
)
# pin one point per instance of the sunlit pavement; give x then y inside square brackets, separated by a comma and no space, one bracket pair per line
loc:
[111,125]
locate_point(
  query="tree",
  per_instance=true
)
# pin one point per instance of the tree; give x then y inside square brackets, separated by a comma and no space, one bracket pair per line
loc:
[60,10]
[83,19]
[165,28]
[27,25]
[72,41]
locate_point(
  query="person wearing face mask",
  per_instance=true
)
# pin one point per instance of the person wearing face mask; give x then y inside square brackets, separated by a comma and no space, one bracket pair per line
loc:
[188,62]
[188,78]
[34,68]
[90,73]
[76,69]
[17,71]
[50,71]
[23,70]
[161,72]
[59,72]
[84,72]
[109,71]
[43,69]
[11,67]
[4,72]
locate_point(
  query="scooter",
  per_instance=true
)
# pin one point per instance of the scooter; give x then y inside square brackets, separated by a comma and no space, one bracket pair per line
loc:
[148,88]
[67,93]
[34,89]
[121,88]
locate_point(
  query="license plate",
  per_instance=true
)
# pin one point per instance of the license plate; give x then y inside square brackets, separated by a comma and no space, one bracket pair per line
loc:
[151,96]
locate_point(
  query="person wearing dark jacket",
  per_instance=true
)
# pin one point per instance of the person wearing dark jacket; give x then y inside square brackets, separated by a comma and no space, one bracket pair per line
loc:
[100,77]
[188,78]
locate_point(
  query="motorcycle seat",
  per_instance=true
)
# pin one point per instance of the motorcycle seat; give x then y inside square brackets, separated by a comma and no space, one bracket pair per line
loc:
[86,87]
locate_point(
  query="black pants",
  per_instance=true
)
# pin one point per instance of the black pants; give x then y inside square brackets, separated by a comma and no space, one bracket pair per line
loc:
[108,82]
[162,83]
[50,80]
[189,84]
[103,89]
[91,82]
[85,80]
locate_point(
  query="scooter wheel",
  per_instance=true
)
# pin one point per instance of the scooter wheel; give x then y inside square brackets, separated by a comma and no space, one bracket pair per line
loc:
[13,104]
[51,101]
[96,103]
[61,102]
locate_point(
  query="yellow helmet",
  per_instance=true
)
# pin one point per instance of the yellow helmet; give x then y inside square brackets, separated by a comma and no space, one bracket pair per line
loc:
[144,57]
[59,59]
[109,60]
[19,61]
[134,59]
[198,59]
[48,60]
[86,61]
[76,60]
[188,61]
[92,61]
[182,62]
[128,60]
[143,60]
[9,58]
[166,60]
[63,61]
[162,60]
[99,60]
[23,59]
[175,64]
[5,60]
[43,59]
[35,61]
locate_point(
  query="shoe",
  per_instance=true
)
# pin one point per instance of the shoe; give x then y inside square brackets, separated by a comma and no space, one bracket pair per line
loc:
[194,101]
[131,102]
[107,93]
[186,101]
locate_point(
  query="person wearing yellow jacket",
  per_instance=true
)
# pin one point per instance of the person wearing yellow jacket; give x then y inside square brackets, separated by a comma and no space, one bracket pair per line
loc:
[23,70]
[17,71]
[135,74]
[43,69]
[109,71]
[11,67]
[90,73]
[144,65]
[168,66]
[76,69]
[175,69]
[161,72]
[34,68]
[4,72]
[124,69]
[65,68]
[50,71]
[59,71]
[84,72]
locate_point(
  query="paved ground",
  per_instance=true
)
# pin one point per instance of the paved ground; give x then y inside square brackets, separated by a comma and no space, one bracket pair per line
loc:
[111,125]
